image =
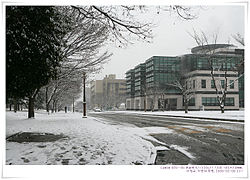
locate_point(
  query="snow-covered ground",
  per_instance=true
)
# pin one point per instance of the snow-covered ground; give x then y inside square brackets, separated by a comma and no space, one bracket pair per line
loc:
[230,115]
[90,141]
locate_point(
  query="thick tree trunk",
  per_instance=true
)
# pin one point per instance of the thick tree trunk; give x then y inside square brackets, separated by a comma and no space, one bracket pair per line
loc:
[185,102]
[31,105]
[153,105]
[47,108]
[223,102]
[10,106]
[53,107]
[56,108]
[15,105]
[46,99]
[222,109]
[31,113]
[186,107]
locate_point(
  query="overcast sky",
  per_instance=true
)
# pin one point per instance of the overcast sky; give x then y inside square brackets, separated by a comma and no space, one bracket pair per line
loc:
[171,37]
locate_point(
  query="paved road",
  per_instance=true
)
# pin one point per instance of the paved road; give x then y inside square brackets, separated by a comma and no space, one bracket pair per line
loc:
[210,142]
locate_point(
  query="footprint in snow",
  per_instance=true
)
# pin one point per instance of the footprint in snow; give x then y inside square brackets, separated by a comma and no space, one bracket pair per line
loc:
[25,160]
[65,162]
[62,148]
[41,146]
[82,161]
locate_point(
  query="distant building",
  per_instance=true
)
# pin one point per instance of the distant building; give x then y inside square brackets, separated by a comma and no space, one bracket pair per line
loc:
[108,93]
[150,84]
[130,89]
[153,77]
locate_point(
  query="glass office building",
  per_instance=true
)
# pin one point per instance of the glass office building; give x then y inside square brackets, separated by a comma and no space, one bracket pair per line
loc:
[225,65]
[130,89]
[140,80]
[161,71]
[154,81]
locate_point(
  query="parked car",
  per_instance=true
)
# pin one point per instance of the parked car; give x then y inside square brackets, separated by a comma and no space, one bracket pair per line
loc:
[97,110]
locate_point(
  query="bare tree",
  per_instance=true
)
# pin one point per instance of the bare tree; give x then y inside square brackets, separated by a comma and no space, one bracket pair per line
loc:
[82,46]
[241,65]
[184,85]
[82,51]
[69,95]
[122,23]
[238,38]
[156,94]
[91,28]
[61,88]
[216,66]
[111,100]
[182,12]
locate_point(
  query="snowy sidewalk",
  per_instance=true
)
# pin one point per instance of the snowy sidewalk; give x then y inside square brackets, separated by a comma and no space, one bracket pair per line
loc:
[90,141]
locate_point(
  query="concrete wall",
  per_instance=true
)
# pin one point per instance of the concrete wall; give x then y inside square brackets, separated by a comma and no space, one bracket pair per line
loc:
[139,103]
[208,79]
[130,104]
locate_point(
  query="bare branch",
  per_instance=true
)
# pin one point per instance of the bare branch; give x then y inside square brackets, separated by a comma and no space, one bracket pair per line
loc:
[238,38]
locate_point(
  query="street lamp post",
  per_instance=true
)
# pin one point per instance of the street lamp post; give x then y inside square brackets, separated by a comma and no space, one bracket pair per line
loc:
[84,96]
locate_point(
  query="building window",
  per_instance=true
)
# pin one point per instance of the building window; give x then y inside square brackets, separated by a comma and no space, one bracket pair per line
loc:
[231,84]
[191,102]
[203,83]
[222,82]
[212,101]
[212,84]
[229,102]
[209,101]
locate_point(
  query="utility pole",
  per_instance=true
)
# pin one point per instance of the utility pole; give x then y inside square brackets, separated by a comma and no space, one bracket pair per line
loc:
[84,96]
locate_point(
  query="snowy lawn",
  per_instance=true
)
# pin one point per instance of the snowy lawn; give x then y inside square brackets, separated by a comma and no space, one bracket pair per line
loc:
[90,141]
[230,115]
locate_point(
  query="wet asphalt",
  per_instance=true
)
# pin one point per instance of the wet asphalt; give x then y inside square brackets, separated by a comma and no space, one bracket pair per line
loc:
[200,142]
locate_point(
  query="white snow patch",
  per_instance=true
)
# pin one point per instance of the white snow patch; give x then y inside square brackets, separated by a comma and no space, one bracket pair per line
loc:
[183,150]
[231,115]
[230,127]
[161,148]
[197,128]
[146,132]
[89,142]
